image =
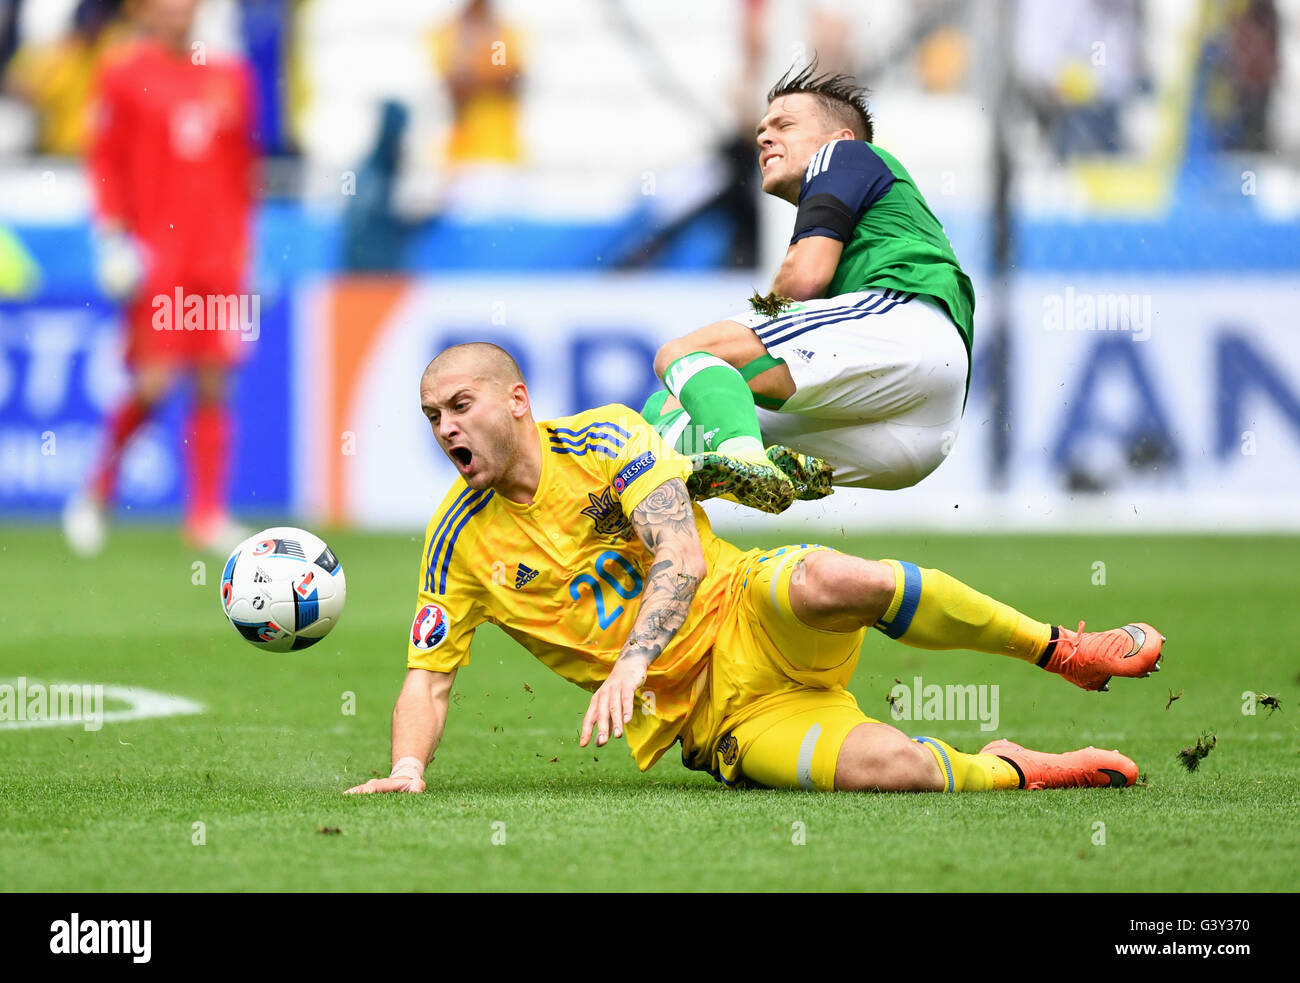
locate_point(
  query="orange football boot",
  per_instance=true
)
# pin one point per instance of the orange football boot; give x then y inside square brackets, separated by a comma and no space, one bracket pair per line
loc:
[1089,658]
[1088,767]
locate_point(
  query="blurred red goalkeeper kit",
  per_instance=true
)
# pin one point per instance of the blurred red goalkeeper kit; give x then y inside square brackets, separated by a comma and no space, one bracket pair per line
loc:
[171,167]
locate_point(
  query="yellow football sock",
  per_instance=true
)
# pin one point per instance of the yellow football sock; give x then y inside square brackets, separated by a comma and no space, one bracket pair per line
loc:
[932,610]
[969,772]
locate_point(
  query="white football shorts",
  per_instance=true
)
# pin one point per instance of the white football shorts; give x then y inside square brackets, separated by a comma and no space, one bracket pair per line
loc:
[880,379]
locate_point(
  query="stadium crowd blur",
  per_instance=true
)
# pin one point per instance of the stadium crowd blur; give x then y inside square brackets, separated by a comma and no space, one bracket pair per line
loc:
[441,143]
[489,108]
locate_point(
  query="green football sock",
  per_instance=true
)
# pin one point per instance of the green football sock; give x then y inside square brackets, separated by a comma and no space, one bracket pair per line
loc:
[719,402]
[673,426]
[676,430]
[653,410]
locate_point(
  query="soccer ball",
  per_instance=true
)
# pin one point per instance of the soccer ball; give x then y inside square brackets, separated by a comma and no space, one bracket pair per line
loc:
[283,589]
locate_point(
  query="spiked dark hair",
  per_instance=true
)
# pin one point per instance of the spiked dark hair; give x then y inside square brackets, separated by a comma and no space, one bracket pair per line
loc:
[841,99]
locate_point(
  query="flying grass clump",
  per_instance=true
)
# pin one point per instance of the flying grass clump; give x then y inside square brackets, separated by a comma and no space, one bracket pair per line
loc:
[769,305]
[1191,756]
[890,698]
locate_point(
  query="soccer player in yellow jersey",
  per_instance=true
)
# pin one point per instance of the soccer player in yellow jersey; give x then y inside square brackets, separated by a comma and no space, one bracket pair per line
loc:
[618,584]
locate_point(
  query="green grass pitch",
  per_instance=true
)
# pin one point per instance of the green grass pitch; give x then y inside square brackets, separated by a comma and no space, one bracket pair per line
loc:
[514,804]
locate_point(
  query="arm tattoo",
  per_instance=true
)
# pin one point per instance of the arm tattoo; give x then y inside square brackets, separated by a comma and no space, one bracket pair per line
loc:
[665,522]
[665,512]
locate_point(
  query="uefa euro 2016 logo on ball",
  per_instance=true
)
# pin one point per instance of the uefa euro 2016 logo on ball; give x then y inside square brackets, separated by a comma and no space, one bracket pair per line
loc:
[283,589]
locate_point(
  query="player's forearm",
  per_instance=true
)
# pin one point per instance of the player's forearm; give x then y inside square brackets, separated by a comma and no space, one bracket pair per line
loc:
[665,523]
[670,589]
[420,715]
[798,284]
[784,283]
[808,268]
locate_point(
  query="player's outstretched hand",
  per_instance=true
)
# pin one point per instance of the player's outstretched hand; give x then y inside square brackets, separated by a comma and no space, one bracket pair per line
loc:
[611,705]
[387,785]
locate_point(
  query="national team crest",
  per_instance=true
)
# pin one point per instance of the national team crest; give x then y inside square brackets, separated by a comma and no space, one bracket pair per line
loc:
[429,627]
[607,516]
[728,750]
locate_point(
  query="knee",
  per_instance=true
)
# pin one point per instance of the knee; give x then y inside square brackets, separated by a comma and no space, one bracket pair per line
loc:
[728,340]
[880,758]
[670,352]
[840,592]
[151,388]
[210,387]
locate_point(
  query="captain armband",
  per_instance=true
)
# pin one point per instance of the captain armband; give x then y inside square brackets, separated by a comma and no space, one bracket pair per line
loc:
[825,213]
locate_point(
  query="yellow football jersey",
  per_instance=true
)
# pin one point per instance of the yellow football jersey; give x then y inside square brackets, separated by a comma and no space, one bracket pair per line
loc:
[564,575]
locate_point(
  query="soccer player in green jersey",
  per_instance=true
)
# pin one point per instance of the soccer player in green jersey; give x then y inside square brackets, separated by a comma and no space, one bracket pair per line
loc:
[865,370]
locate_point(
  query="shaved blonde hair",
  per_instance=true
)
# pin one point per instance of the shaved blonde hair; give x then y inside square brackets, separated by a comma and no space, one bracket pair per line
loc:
[482,359]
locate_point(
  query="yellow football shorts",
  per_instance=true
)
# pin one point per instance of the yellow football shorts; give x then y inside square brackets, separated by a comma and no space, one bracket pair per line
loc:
[778,708]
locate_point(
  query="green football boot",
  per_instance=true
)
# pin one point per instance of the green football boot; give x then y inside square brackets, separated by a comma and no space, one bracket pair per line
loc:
[760,484]
[811,475]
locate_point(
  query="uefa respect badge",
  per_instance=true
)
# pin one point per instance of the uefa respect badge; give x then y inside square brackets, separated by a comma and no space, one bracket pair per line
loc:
[637,467]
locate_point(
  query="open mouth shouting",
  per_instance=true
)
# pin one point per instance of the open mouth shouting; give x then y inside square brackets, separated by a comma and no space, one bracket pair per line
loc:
[463,458]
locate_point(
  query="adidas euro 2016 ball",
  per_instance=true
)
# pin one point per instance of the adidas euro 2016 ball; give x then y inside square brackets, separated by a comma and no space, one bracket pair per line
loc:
[283,589]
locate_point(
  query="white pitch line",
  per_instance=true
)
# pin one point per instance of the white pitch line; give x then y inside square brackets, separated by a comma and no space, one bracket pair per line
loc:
[142,704]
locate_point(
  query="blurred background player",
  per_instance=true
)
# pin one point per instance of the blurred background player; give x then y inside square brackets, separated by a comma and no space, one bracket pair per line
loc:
[478,55]
[56,77]
[873,378]
[477,59]
[171,165]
